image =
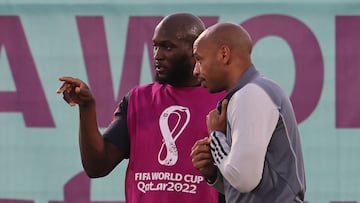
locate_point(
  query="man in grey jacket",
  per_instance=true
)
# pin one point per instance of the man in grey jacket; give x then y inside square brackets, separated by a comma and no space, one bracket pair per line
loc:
[253,152]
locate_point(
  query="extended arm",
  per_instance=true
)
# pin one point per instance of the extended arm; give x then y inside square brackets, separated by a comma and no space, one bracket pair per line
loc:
[98,156]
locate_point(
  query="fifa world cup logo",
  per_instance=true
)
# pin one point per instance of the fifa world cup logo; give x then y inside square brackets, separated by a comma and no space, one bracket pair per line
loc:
[172,122]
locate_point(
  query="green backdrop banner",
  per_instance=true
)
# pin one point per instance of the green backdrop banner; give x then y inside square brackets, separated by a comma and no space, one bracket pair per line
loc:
[312,48]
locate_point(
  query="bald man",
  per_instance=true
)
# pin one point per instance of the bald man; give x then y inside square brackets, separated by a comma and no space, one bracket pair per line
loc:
[253,152]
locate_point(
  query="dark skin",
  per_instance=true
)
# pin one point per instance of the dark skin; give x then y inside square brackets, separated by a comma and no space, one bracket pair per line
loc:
[174,62]
[98,156]
[172,40]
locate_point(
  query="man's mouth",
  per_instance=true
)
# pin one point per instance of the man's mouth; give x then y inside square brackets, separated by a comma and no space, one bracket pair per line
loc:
[201,81]
[160,69]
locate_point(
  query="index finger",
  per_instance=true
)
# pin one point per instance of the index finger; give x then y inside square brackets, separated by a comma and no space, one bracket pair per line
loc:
[68,84]
[203,141]
[224,108]
[71,80]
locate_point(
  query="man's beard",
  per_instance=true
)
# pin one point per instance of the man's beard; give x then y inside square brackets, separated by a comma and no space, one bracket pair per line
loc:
[181,71]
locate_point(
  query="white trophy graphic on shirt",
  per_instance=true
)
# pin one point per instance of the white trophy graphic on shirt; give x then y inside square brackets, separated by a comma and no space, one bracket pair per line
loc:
[167,133]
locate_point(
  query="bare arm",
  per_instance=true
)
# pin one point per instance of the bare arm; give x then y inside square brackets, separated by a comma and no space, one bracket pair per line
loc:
[98,156]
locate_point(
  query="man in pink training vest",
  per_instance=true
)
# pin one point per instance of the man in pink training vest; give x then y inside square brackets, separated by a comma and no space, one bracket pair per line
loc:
[155,125]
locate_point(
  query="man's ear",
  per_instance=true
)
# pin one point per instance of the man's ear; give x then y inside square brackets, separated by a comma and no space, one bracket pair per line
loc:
[225,54]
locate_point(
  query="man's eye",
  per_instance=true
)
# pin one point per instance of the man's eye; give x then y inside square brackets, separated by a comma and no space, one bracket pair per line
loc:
[163,47]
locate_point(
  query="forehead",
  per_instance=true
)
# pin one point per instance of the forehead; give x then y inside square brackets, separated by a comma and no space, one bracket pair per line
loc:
[168,33]
[202,39]
[200,44]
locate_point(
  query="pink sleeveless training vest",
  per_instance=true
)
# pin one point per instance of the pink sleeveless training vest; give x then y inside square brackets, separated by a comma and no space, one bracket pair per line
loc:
[164,122]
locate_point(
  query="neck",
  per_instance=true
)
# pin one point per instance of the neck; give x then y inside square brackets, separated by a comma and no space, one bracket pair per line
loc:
[191,82]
